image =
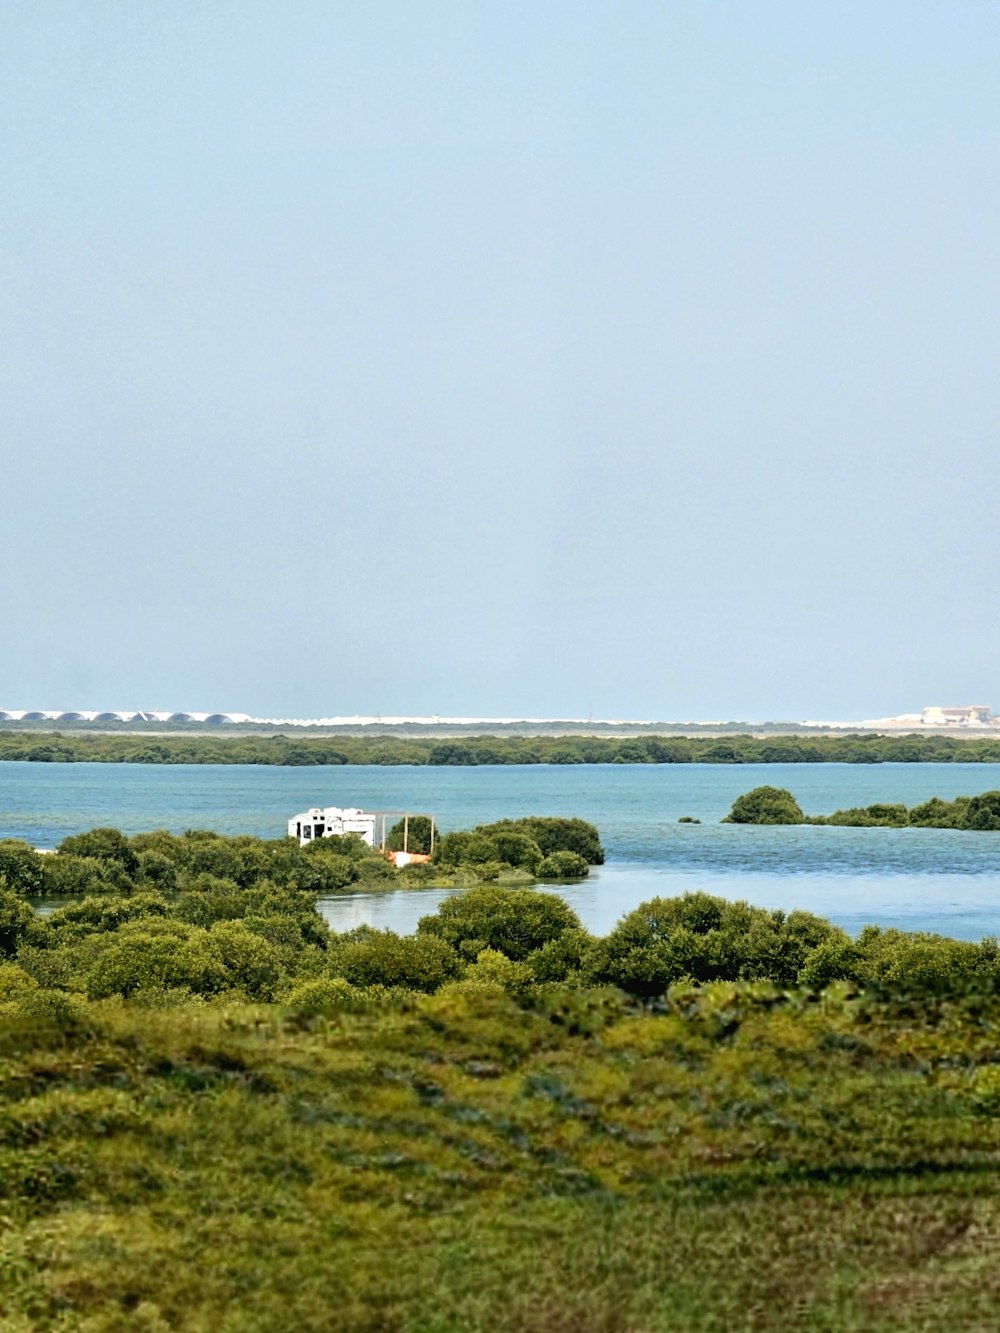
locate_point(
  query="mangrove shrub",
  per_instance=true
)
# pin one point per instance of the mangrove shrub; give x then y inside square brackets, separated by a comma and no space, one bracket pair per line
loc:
[766,805]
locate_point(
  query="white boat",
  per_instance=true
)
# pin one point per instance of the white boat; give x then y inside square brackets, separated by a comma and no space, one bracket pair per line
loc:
[371,826]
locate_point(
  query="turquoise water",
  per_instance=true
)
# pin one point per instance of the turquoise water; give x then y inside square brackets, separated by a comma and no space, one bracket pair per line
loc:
[918,879]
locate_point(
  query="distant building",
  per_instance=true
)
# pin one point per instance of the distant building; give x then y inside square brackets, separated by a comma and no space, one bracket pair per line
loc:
[975,715]
[117,715]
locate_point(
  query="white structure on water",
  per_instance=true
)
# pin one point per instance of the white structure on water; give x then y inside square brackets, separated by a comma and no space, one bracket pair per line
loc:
[328,822]
[371,826]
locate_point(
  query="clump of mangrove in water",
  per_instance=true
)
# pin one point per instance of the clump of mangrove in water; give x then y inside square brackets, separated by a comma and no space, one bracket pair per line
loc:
[777,805]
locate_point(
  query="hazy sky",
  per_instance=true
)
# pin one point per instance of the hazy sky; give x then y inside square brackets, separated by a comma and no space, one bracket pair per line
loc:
[559,358]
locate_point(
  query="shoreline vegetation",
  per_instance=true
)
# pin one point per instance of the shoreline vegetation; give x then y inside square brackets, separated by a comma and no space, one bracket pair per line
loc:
[105,860]
[191,917]
[279,749]
[218,1113]
[777,805]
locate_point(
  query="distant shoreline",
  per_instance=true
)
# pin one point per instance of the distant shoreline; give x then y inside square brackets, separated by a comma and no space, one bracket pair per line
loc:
[444,730]
[126,744]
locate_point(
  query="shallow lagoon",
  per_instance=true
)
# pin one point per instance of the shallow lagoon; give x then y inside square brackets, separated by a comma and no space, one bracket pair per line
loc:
[918,879]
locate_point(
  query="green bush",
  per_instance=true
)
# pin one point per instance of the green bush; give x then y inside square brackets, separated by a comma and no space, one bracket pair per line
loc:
[562,865]
[869,816]
[418,873]
[936,813]
[982,812]
[103,844]
[21,867]
[556,834]
[252,963]
[140,958]
[330,874]
[208,900]
[485,845]
[98,915]
[836,958]
[207,853]
[157,870]
[368,957]
[323,995]
[562,959]
[16,920]
[703,938]
[50,1009]
[493,970]
[66,875]
[514,922]
[521,843]
[766,805]
[451,848]
[14,982]
[922,963]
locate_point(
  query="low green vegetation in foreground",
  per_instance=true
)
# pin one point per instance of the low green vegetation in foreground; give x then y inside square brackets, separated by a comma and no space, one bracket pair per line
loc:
[154,747]
[727,1158]
[777,805]
[218,1114]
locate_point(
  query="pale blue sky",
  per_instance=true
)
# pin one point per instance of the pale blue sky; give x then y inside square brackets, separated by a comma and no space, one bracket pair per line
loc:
[550,359]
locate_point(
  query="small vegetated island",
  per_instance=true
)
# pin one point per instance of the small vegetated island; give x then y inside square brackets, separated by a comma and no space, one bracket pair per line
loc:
[777,805]
[217,1113]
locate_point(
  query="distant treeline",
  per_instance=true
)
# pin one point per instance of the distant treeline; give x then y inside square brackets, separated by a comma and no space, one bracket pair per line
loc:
[863,748]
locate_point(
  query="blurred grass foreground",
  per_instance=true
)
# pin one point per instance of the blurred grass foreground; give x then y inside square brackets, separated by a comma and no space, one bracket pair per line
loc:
[732,1156]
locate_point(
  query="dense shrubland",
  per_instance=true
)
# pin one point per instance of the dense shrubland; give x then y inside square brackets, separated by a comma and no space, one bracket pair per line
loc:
[157,748]
[203,919]
[496,1156]
[218,1114]
[776,805]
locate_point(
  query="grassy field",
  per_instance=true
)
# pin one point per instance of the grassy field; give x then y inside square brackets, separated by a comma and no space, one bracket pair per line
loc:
[737,1159]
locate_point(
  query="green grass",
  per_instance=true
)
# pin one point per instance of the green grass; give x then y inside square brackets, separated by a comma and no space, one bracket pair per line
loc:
[739,1160]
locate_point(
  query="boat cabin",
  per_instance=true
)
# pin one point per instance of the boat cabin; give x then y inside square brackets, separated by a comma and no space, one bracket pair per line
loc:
[371,826]
[324,823]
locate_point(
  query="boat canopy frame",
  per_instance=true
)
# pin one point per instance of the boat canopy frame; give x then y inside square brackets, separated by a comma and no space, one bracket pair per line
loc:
[316,823]
[382,826]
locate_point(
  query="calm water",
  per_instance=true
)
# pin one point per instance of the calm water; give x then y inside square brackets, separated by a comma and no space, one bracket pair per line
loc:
[918,879]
